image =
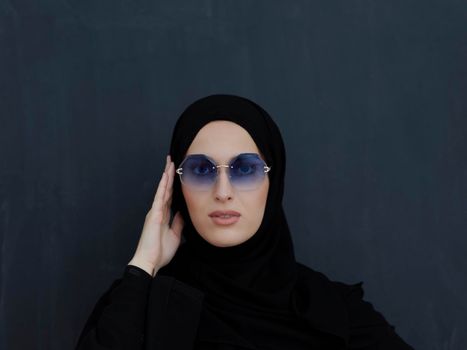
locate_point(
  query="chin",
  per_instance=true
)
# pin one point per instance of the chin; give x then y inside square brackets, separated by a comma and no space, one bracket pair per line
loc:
[223,242]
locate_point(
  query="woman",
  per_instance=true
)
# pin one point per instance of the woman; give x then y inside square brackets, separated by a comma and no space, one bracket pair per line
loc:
[234,283]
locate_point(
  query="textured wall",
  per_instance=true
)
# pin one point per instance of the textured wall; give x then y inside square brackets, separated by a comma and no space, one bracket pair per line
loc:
[371,97]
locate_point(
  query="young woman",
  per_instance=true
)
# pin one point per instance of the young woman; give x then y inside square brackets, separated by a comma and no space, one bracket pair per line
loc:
[234,282]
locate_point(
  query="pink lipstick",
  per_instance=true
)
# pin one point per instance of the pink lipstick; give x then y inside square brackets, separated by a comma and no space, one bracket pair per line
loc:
[225,217]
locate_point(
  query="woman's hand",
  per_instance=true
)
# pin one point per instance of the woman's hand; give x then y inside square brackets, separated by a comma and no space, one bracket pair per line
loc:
[159,242]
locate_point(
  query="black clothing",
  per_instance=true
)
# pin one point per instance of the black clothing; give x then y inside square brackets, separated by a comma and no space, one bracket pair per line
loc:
[250,286]
[253,295]
[162,313]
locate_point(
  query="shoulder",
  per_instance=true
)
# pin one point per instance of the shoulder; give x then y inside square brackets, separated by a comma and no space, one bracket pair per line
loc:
[349,295]
[364,325]
[335,291]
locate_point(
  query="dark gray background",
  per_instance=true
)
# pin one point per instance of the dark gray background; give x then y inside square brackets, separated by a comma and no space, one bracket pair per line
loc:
[371,100]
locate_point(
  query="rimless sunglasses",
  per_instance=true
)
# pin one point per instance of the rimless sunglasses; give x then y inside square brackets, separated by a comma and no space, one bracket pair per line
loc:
[246,171]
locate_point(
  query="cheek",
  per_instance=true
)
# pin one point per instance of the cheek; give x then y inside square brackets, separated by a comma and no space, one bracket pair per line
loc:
[194,203]
[258,203]
[190,200]
[264,192]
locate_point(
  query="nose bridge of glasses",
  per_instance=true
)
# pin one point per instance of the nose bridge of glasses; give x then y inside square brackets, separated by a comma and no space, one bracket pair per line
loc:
[220,183]
[222,166]
[227,173]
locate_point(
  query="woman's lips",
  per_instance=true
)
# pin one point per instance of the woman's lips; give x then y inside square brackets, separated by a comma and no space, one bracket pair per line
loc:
[225,217]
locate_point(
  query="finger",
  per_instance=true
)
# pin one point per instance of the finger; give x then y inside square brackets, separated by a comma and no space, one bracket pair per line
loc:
[167,163]
[170,189]
[168,192]
[173,173]
[177,224]
[167,172]
[157,204]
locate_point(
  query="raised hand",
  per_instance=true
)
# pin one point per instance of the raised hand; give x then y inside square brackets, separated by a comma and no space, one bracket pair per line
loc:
[159,242]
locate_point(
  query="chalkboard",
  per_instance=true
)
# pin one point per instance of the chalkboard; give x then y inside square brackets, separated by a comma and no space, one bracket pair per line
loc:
[371,98]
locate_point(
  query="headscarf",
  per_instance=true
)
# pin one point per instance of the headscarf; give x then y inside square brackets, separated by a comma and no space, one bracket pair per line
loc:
[250,286]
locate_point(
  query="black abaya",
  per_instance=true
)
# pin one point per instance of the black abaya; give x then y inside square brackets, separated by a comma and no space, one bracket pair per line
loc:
[163,313]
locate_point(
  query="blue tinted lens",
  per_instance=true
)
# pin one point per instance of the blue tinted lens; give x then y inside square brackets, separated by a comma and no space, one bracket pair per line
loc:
[247,171]
[198,172]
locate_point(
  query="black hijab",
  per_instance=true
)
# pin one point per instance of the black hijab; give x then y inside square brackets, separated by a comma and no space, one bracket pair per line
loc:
[252,287]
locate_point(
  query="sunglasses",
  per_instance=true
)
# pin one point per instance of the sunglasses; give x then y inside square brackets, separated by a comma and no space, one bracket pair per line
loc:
[246,171]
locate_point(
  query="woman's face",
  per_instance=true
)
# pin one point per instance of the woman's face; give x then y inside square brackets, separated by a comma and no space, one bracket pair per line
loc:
[221,141]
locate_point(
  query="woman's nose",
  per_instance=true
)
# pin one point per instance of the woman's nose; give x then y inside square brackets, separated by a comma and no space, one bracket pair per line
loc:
[223,188]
